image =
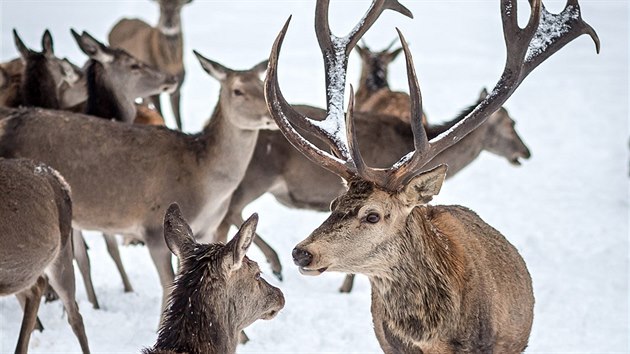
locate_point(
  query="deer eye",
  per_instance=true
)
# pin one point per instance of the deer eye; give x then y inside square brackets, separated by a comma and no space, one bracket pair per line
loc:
[238,92]
[257,276]
[373,218]
[135,66]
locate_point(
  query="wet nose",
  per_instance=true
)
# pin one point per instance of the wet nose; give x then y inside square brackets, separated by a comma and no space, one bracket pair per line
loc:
[301,257]
[171,80]
[527,154]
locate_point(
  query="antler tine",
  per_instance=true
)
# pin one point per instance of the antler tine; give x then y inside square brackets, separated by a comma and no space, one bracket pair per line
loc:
[527,48]
[284,115]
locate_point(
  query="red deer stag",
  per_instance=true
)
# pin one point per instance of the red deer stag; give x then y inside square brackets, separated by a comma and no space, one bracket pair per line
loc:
[35,231]
[123,176]
[443,281]
[161,46]
[228,293]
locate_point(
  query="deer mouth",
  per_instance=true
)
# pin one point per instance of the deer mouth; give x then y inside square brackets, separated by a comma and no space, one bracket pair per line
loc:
[312,272]
[269,315]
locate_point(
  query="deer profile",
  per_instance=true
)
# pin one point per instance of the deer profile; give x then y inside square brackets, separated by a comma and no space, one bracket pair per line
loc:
[228,294]
[443,281]
[160,46]
[135,172]
[35,231]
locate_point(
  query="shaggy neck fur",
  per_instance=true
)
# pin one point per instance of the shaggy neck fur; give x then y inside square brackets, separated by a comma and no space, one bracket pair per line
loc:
[38,86]
[374,76]
[419,295]
[103,99]
[194,321]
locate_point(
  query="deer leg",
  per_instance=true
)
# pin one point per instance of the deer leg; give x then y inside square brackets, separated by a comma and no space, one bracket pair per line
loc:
[346,287]
[32,298]
[156,102]
[161,256]
[22,300]
[270,254]
[61,278]
[175,100]
[112,248]
[83,262]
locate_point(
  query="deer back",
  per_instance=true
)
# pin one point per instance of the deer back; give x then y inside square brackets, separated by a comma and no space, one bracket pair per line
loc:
[35,221]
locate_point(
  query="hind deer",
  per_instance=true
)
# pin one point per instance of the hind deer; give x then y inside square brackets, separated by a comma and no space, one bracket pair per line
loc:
[123,176]
[160,47]
[35,244]
[228,294]
[443,281]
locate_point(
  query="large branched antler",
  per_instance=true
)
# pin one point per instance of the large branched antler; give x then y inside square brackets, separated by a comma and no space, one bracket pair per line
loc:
[527,48]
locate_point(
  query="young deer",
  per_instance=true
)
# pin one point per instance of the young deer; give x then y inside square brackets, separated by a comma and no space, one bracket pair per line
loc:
[35,228]
[443,281]
[123,176]
[228,292]
[160,47]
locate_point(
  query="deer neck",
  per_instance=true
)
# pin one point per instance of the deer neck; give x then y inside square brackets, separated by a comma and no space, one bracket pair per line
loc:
[419,296]
[464,152]
[227,148]
[104,99]
[38,86]
[194,321]
[373,79]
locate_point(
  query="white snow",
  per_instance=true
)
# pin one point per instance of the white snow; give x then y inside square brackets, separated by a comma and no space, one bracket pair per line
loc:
[550,27]
[565,209]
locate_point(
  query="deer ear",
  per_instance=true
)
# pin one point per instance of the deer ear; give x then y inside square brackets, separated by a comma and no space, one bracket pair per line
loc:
[213,68]
[421,188]
[92,48]
[47,44]
[261,68]
[392,55]
[21,47]
[240,243]
[177,233]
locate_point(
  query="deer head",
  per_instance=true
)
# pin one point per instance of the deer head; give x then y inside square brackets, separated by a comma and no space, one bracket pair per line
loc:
[228,283]
[241,96]
[379,201]
[124,73]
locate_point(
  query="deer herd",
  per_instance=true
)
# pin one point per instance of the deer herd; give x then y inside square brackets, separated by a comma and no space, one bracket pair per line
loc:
[79,152]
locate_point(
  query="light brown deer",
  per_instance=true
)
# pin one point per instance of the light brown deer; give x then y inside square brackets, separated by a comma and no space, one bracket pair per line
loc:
[443,281]
[228,293]
[161,46]
[123,176]
[35,245]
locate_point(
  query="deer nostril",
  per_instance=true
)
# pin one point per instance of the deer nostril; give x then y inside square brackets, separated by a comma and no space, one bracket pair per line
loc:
[301,258]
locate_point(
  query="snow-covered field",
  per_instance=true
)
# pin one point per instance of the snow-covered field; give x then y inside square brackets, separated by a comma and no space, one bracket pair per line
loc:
[566,209]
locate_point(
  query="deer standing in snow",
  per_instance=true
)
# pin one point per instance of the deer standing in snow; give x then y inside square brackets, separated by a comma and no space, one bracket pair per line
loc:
[35,244]
[443,281]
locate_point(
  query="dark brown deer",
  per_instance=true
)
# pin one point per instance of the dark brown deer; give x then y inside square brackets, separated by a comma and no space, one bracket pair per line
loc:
[35,231]
[10,79]
[373,93]
[228,293]
[123,176]
[443,281]
[161,47]
[41,77]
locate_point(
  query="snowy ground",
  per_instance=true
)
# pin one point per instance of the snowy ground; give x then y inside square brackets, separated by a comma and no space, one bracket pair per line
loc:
[566,209]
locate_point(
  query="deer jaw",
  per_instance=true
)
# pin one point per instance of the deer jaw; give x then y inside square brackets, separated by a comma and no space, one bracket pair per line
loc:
[502,139]
[364,223]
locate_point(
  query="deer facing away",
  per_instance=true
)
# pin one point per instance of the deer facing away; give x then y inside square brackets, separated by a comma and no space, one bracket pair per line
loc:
[161,47]
[228,293]
[443,281]
[35,244]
